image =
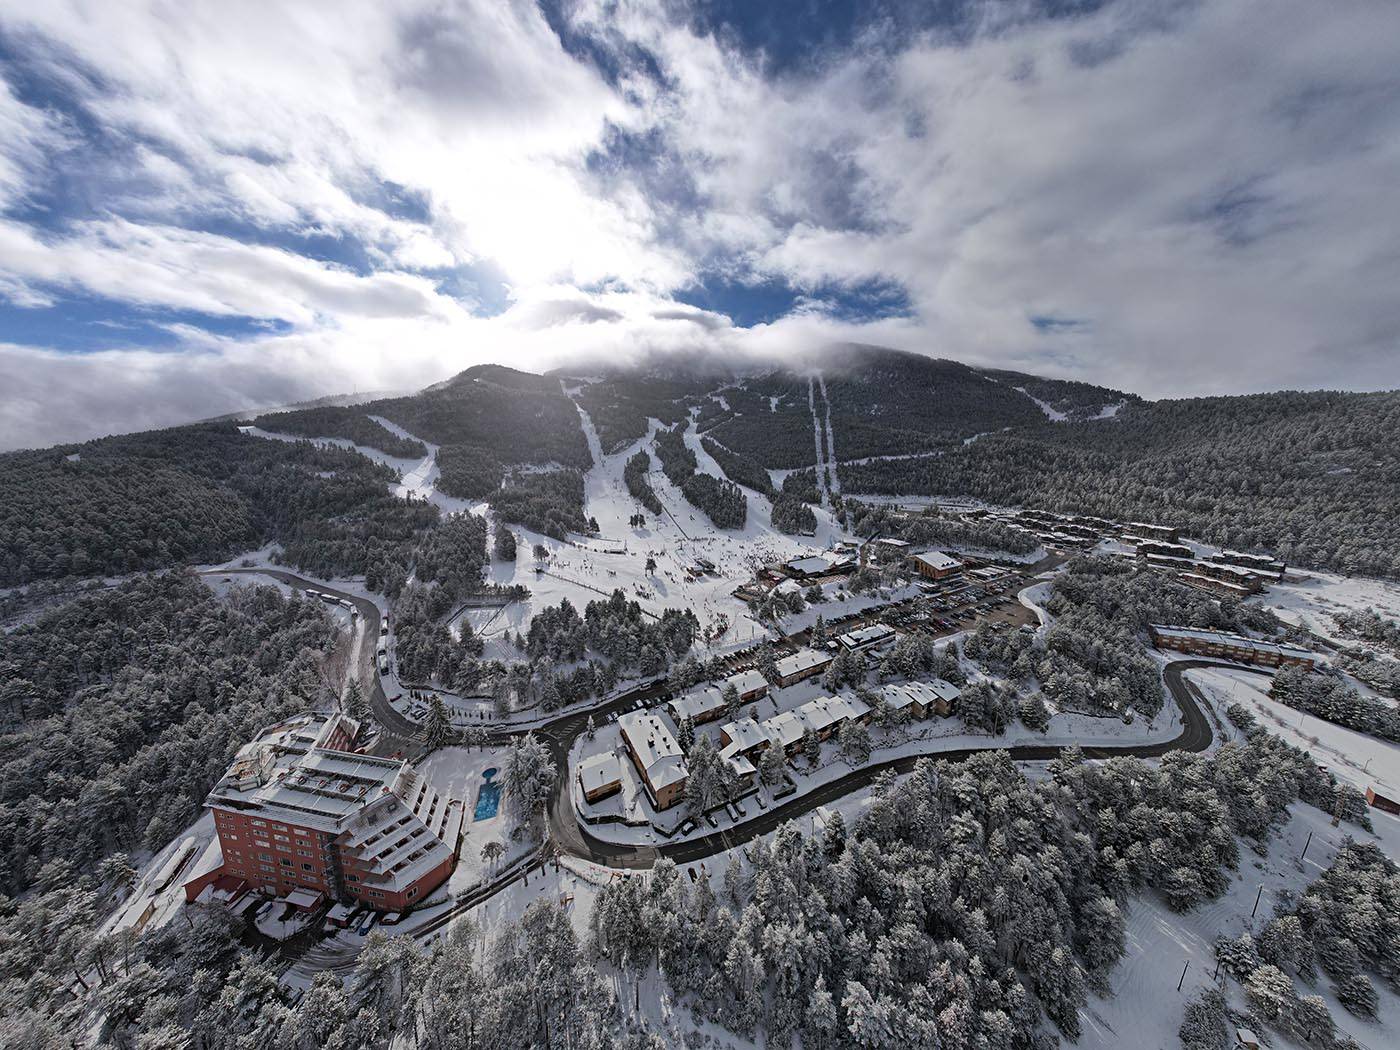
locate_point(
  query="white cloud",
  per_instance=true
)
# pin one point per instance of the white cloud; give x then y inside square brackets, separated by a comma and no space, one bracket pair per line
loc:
[164,266]
[1210,193]
[286,113]
[1213,190]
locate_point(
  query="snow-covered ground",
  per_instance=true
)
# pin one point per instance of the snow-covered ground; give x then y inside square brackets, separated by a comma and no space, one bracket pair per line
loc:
[1308,598]
[149,904]
[457,773]
[586,569]
[1145,1008]
[1051,413]
[1358,759]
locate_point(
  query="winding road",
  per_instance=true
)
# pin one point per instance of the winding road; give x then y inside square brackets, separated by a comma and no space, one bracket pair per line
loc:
[399,733]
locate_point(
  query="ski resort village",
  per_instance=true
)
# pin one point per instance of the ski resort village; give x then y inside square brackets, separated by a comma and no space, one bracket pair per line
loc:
[649,725]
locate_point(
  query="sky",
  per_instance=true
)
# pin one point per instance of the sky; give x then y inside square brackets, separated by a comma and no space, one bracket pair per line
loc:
[215,206]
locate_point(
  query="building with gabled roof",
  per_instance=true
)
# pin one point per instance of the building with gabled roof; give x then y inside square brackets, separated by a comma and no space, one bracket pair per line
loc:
[751,685]
[699,705]
[298,810]
[919,698]
[657,756]
[935,565]
[743,735]
[600,776]
[801,665]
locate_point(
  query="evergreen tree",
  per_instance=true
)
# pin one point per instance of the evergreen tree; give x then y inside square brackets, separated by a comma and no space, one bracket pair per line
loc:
[354,703]
[855,743]
[771,766]
[437,727]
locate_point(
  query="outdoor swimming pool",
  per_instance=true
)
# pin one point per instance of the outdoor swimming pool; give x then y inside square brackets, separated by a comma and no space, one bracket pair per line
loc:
[488,796]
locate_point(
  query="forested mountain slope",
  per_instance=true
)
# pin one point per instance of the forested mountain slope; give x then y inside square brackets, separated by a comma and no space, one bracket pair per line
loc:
[882,402]
[195,494]
[338,421]
[489,418]
[879,402]
[122,709]
[1075,399]
[1313,476]
[891,403]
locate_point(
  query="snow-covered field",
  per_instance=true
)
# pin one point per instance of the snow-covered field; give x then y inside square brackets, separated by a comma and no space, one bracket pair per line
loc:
[1309,598]
[1145,1009]
[1358,759]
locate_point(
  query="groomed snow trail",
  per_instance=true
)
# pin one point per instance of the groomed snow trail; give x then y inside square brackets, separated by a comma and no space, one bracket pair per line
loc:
[832,479]
[818,441]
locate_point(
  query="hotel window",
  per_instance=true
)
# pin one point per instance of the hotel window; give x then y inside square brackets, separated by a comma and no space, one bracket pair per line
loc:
[259,823]
[302,831]
[352,878]
[308,867]
[286,863]
[281,838]
[413,893]
[265,856]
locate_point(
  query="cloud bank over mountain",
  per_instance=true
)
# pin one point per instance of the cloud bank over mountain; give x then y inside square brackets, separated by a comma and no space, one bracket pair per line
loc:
[214,206]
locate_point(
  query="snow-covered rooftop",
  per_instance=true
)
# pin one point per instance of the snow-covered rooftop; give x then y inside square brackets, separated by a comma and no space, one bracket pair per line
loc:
[599,771]
[742,766]
[655,748]
[936,560]
[872,634]
[697,705]
[827,711]
[802,660]
[786,729]
[899,695]
[744,734]
[749,681]
[289,769]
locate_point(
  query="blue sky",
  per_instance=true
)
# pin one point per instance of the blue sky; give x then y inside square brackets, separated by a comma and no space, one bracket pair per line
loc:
[211,206]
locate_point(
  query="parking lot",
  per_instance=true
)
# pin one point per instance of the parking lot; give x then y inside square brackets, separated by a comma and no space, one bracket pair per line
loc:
[948,607]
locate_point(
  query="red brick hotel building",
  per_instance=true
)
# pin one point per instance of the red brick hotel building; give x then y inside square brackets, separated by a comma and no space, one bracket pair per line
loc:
[298,810]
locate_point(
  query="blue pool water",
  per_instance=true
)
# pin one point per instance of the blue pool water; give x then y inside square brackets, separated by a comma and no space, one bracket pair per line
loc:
[488,797]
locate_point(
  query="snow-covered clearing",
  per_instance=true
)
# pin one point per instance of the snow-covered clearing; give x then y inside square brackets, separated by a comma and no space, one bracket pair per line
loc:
[818,439]
[1144,1010]
[1309,599]
[1051,413]
[833,474]
[1358,759]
